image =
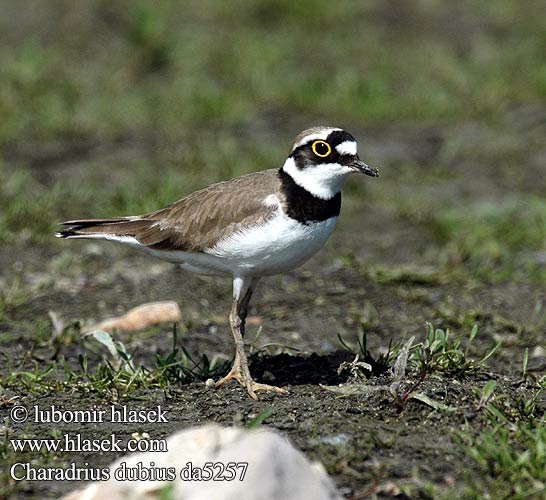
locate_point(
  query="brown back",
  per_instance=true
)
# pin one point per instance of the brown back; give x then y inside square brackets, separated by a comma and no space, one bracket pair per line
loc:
[197,221]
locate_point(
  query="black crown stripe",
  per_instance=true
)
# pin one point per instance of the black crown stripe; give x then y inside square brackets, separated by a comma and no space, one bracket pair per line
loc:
[335,138]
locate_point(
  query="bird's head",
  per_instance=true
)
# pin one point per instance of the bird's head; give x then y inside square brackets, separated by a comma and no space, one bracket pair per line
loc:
[322,157]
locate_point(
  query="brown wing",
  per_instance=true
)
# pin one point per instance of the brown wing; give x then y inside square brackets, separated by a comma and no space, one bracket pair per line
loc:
[197,221]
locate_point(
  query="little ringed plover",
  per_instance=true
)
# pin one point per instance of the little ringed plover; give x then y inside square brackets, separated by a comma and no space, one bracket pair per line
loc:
[251,226]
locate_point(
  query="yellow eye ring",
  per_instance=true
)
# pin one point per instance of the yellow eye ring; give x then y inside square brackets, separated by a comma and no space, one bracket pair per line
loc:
[318,149]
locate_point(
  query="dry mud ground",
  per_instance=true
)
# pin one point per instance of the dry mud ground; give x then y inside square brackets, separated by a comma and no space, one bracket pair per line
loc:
[380,272]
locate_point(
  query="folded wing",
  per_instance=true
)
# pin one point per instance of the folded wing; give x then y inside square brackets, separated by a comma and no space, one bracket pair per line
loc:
[194,223]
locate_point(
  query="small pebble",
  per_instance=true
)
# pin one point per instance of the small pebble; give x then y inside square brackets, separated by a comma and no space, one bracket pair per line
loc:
[353,410]
[268,377]
[469,414]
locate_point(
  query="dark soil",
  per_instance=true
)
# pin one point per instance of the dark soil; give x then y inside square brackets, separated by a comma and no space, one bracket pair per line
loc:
[366,441]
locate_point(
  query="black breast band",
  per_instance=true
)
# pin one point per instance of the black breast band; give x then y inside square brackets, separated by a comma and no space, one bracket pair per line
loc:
[303,206]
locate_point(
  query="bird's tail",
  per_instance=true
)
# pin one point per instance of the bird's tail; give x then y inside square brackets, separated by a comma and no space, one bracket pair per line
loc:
[110,229]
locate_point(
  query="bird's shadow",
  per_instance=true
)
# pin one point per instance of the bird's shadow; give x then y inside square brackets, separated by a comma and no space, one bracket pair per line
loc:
[300,369]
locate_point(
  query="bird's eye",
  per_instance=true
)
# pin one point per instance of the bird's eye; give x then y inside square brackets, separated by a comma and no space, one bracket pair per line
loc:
[321,148]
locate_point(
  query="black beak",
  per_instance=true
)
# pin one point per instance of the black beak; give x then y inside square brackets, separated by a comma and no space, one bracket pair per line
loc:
[360,167]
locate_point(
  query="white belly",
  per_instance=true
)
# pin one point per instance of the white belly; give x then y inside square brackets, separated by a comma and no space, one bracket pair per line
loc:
[277,246]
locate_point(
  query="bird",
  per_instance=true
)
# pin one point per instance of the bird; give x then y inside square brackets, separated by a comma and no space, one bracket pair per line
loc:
[256,225]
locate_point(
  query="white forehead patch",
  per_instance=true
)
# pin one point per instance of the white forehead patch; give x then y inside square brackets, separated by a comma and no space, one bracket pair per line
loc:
[322,135]
[346,148]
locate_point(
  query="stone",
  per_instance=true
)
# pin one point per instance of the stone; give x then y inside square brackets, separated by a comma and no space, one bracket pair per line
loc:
[273,469]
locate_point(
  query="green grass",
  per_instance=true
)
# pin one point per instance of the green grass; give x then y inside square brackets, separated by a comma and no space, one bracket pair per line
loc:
[502,238]
[117,377]
[507,449]
[409,365]
[11,297]
[439,353]
[510,459]
[489,237]
[165,68]
[170,67]
[28,208]
[185,89]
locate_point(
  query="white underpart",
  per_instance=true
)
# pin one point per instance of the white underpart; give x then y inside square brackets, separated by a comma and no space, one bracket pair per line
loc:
[347,148]
[322,135]
[323,180]
[128,240]
[279,245]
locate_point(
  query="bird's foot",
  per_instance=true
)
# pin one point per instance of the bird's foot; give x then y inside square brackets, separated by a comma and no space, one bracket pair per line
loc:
[245,379]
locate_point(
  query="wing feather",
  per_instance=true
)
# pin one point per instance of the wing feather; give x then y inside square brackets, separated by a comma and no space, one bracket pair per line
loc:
[196,222]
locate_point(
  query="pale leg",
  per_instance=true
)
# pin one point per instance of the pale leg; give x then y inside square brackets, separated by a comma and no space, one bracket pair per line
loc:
[242,291]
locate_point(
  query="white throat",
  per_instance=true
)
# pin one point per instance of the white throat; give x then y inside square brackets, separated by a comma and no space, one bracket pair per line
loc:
[323,181]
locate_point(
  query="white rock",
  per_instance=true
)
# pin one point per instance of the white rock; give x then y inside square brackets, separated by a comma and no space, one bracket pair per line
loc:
[276,470]
[538,352]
